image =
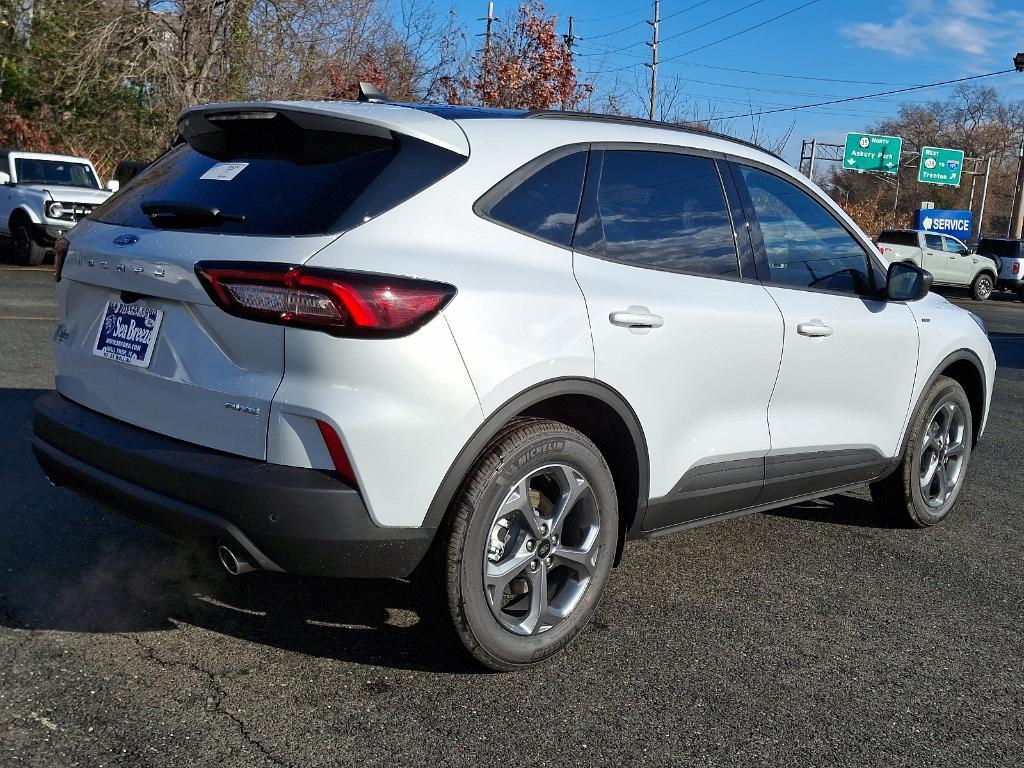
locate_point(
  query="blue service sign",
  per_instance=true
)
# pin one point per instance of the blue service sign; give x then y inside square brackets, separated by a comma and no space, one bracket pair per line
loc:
[959,224]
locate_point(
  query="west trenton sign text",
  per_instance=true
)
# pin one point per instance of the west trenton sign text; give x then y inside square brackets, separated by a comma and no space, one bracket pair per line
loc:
[941,166]
[868,152]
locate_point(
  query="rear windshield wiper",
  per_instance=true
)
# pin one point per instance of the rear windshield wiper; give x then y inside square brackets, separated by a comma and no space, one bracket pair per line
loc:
[171,214]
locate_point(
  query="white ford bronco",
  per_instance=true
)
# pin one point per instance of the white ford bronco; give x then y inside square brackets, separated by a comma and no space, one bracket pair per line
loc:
[948,259]
[43,196]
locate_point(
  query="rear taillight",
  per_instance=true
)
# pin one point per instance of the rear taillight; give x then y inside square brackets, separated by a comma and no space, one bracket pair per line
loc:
[341,303]
[1016,267]
[337,451]
[60,253]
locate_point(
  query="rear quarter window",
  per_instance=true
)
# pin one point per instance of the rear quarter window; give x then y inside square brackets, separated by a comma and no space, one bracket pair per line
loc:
[542,199]
[284,189]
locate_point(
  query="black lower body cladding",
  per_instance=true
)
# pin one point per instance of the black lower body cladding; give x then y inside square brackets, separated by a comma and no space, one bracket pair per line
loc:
[303,521]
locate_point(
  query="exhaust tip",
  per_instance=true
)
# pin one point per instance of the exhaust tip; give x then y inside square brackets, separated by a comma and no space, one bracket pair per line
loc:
[233,564]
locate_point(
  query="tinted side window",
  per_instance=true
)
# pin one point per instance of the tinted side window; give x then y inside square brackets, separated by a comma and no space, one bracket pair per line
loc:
[805,245]
[661,210]
[934,242]
[545,203]
[898,237]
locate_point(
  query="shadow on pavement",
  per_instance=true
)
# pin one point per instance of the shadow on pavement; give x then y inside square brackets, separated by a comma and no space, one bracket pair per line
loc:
[836,510]
[1009,349]
[74,567]
[71,566]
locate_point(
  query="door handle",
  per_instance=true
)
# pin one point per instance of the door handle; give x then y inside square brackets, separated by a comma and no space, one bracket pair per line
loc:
[814,329]
[636,317]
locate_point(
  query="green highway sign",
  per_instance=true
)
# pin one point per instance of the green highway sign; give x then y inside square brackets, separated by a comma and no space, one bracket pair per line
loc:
[868,152]
[941,166]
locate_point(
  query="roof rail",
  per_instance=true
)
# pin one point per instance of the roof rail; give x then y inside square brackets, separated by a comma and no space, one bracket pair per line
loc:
[623,120]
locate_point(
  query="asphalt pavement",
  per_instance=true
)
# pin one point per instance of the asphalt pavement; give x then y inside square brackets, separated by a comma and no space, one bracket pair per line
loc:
[815,635]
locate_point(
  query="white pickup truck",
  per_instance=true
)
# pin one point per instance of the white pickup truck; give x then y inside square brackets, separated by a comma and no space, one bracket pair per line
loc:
[948,259]
[42,196]
[1008,254]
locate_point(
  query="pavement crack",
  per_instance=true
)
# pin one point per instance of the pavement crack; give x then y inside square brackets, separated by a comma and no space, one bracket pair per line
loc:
[220,694]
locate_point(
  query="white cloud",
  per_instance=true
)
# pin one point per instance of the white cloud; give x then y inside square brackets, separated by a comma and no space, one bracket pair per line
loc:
[971,28]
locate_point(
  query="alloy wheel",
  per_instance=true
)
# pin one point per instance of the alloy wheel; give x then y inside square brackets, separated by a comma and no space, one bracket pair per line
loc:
[984,287]
[942,454]
[542,549]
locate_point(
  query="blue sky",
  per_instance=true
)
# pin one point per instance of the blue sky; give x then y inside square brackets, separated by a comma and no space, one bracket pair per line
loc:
[805,57]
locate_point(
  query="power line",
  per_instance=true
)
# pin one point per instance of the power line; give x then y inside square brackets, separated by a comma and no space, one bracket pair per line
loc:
[865,96]
[641,23]
[734,34]
[786,76]
[709,97]
[757,89]
[687,8]
[684,32]
[618,31]
[744,31]
[712,21]
[618,15]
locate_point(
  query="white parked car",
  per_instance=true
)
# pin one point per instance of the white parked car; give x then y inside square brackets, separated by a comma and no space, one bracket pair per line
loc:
[482,348]
[949,260]
[42,197]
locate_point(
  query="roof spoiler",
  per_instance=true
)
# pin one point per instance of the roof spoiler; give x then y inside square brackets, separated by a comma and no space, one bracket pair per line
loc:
[368,118]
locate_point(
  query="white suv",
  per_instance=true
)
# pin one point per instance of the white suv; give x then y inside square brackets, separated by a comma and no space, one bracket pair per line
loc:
[483,348]
[42,196]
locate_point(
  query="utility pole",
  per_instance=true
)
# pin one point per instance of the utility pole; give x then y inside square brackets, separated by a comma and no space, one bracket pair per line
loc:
[1017,217]
[654,57]
[984,194]
[570,41]
[485,61]
[814,151]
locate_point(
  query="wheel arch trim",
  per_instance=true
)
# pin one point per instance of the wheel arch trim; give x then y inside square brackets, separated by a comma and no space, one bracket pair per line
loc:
[960,355]
[24,210]
[517,405]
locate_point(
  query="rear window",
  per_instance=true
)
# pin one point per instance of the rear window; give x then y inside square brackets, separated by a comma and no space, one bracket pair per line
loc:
[279,180]
[1009,248]
[897,237]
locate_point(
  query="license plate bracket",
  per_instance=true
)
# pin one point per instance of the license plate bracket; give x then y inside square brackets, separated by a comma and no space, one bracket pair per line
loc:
[128,333]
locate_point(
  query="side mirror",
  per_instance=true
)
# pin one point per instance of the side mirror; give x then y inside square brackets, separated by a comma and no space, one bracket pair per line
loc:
[5,178]
[907,282]
[113,185]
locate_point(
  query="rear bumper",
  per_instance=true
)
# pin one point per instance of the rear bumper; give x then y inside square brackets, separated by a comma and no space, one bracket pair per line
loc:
[289,519]
[1012,284]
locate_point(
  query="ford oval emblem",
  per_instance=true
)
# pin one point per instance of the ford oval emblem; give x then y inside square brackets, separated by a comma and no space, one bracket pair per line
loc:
[123,241]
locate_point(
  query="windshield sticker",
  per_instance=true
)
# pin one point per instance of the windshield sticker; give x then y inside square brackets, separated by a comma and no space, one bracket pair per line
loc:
[224,171]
